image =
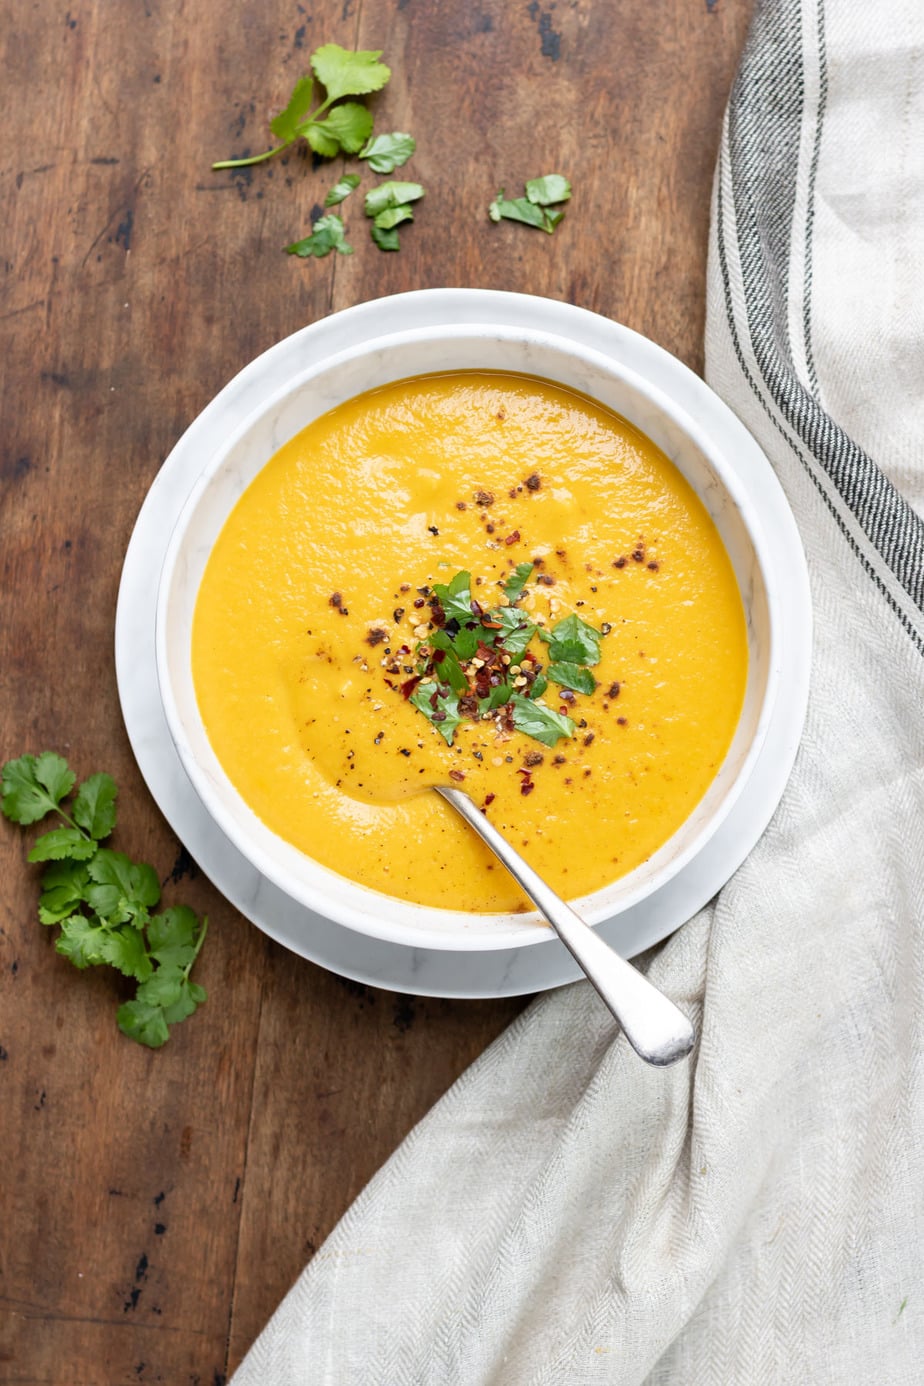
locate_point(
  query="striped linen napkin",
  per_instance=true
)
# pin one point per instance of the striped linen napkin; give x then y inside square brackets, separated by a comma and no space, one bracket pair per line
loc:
[566,1214]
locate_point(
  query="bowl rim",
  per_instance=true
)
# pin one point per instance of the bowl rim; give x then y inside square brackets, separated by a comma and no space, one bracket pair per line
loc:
[364,916]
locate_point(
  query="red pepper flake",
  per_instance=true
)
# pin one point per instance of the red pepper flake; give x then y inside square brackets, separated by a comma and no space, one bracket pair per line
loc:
[461,505]
[619,562]
[638,555]
[488,800]
[375,636]
[484,498]
[418,603]
[588,738]
[534,482]
[652,567]
[622,721]
[407,688]
[489,529]
[546,579]
[566,695]
[405,587]
[558,760]
[512,538]
[335,600]
[456,775]
[527,787]
[613,690]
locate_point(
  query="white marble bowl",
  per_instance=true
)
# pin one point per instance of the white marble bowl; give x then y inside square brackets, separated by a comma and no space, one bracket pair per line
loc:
[648,392]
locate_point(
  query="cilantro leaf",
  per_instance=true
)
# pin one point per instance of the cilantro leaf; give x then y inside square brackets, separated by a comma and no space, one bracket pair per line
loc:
[465,642]
[448,705]
[517,581]
[522,209]
[540,722]
[448,669]
[385,239]
[496,698]
[327,234]
[144,1023]
[574,676]
[81,941]
[348,74]
[385,153]
[517,209]
[63,885]
[342,189]
[172,936]
[539,685]
[285,126]
[391,194]
[517,630]
[548,189]
[346,127]
[33,786]
[573,641]
[393,216]
[124,949]
[61,843]
[120,889]
[455,597]
[94,807]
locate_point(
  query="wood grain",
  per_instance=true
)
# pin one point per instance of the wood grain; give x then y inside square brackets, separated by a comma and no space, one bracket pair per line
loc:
[155,1206]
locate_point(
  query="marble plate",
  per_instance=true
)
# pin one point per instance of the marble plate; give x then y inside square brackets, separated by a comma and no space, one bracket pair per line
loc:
[418,970]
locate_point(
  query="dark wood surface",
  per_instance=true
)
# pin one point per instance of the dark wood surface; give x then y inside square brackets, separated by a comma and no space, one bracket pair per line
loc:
[156,1205]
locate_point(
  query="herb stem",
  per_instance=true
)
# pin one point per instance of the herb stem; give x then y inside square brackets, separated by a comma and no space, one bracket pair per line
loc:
[199,942]
[253,159]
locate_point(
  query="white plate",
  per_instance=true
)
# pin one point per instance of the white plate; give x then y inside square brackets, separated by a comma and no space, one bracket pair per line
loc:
[422,971]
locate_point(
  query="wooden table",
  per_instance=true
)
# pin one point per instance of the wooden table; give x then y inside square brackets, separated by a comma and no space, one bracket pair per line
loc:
[156,1205]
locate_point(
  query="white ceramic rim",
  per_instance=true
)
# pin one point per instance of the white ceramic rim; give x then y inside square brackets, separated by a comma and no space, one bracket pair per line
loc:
[365,915]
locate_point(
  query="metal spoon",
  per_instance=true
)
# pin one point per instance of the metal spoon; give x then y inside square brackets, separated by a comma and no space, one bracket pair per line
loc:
[658,1032]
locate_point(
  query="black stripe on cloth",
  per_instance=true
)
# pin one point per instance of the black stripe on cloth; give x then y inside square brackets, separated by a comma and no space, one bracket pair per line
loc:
[764,126]
[812,472]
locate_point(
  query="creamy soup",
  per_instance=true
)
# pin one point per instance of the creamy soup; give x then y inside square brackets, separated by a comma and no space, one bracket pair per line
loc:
[334,626]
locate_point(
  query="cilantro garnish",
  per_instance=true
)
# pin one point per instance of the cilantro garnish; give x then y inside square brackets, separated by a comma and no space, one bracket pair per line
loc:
[101,899]
[537,207]
[475,662]
[540,722]
[327,234]
[347,127]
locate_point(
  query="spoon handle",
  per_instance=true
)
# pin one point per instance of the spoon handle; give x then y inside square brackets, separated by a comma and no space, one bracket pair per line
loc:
[653,1025]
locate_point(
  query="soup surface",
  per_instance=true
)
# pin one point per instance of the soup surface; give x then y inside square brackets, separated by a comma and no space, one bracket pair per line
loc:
[316,629]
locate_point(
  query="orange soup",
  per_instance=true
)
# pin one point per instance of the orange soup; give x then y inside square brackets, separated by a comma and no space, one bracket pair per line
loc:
[472,579]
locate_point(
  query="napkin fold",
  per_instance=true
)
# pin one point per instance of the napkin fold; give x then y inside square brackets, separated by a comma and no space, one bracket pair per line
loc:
[566,1214]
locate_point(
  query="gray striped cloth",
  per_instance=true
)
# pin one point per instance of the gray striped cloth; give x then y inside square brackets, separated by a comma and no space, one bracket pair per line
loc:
[565,1214]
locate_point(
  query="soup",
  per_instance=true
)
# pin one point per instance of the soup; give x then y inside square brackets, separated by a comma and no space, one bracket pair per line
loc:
[474,579]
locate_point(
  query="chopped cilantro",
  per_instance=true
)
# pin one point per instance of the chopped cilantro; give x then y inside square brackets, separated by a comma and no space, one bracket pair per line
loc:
[385,153]
[474,662]
[342,189]
[327,234]
[535,209]
[573,676]
[517,581]
[391,194]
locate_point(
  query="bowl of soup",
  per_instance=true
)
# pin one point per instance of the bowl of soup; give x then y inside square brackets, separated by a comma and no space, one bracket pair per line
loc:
[474,554]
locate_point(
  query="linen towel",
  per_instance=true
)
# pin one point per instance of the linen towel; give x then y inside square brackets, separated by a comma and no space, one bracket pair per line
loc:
[566,1214]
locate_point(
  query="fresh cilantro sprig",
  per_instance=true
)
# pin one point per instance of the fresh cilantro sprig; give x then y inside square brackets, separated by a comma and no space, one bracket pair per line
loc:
[475,662]
[538,208]
[329,129]
[102,900]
